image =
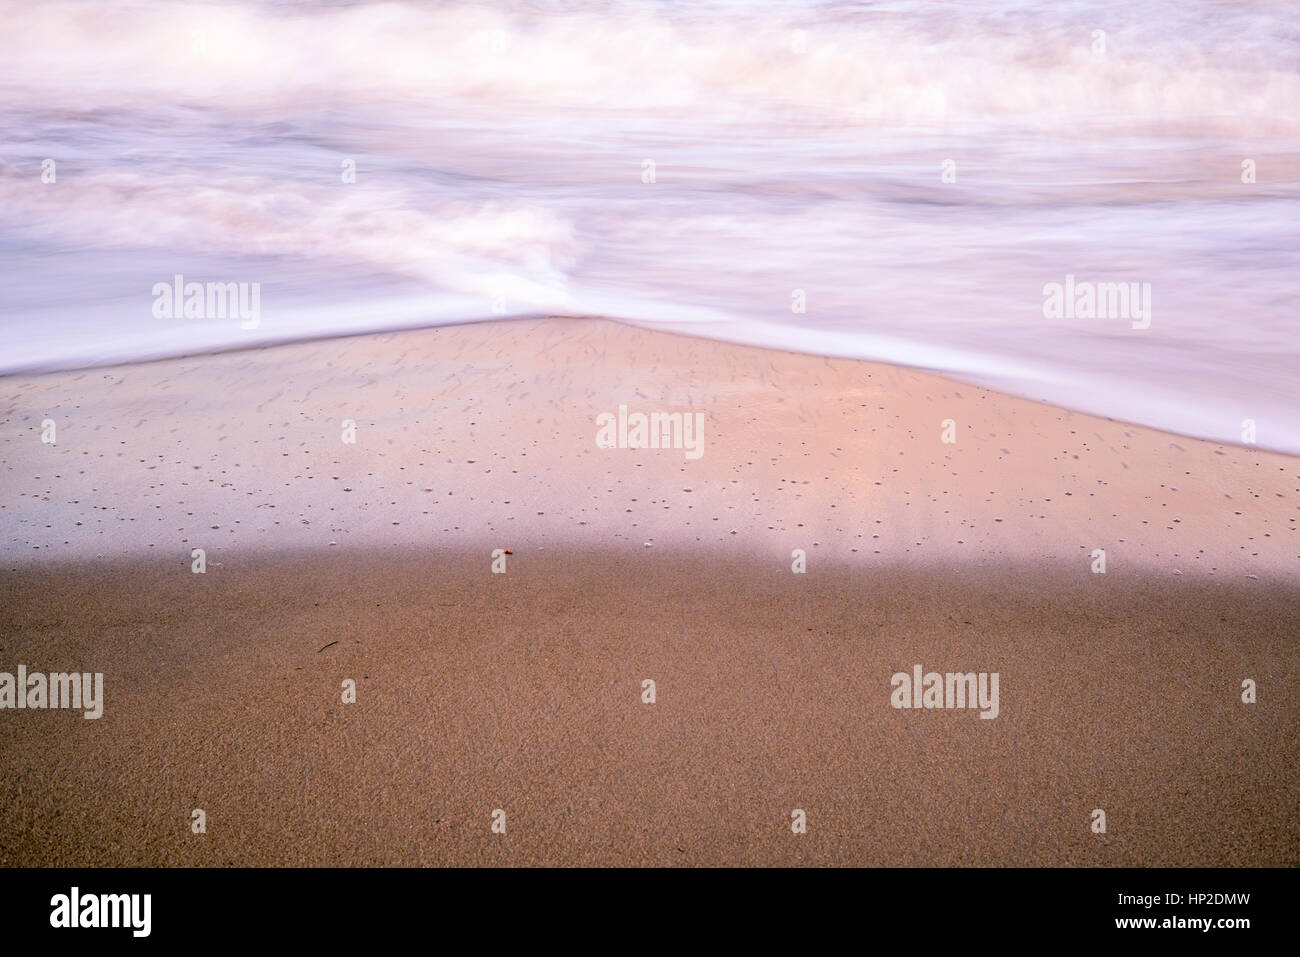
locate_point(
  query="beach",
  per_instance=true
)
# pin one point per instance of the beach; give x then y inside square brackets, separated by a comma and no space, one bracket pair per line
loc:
[937,524]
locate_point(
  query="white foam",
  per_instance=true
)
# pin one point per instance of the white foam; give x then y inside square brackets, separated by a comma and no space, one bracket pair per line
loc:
[500,153]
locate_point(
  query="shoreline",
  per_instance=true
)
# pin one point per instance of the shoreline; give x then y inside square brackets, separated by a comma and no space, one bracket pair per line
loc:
[681,330]
[464,434]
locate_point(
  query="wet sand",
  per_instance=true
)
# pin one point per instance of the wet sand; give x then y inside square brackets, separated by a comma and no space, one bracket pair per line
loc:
[523,691]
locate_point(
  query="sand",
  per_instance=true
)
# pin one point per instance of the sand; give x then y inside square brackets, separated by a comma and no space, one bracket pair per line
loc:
[522,691]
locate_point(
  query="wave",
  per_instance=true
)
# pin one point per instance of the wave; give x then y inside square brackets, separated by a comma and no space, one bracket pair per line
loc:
[898,181]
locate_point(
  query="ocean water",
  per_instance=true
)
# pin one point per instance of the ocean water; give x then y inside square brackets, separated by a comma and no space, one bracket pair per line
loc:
[897,181]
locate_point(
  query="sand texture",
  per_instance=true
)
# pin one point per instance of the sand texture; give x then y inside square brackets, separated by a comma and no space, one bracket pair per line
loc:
[372,561]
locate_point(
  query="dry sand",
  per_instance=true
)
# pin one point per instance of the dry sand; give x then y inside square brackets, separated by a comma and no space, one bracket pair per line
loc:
[522,691]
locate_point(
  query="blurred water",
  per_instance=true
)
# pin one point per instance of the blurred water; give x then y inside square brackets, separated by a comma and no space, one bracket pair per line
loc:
[500,151]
